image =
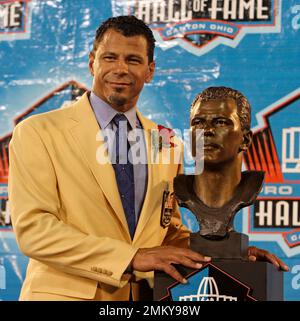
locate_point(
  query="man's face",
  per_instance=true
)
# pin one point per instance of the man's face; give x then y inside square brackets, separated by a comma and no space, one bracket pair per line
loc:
[223,136]
[120,68]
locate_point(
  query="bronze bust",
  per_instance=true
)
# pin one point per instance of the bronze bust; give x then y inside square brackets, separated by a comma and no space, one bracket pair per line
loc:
[222,189]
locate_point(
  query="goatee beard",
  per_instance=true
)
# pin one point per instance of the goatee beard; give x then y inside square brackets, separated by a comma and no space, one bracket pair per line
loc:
[117,100]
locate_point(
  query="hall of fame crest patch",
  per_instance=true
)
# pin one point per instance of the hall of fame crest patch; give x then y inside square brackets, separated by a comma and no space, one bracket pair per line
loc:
[166,208]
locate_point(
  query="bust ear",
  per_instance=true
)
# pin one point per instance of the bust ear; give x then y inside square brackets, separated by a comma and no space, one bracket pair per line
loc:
[247,140]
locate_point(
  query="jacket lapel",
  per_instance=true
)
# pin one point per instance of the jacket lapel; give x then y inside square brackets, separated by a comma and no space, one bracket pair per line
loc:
[145,215]
[88,136]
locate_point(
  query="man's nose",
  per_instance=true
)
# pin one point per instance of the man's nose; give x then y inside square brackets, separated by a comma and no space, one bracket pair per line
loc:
[121,67]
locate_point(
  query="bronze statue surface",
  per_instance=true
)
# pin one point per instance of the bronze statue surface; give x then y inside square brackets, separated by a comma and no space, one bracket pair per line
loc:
[216,223]
[222,116]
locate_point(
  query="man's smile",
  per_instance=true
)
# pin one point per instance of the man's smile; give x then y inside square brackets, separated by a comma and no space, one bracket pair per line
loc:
[119,84]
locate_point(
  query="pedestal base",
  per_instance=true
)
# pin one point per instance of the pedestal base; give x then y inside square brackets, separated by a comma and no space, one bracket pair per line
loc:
[233,246]
[223,279]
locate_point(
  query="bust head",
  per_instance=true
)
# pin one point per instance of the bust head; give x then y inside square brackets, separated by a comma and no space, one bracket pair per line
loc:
[224,116]
[242,103]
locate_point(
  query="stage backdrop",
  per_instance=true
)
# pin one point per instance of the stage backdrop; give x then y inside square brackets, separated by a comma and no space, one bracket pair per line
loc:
[250,45]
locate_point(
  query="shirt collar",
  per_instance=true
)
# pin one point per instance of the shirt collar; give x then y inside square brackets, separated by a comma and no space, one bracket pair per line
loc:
[105,113]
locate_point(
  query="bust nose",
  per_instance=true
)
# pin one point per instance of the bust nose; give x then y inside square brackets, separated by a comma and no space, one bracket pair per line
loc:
[208,129]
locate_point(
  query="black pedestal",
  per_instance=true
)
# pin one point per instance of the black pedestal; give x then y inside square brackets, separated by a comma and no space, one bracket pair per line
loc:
[225,280]
[233,246]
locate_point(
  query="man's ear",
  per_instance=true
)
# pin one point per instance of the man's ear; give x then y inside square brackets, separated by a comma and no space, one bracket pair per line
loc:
[151,68]
[91,63]
[247,140]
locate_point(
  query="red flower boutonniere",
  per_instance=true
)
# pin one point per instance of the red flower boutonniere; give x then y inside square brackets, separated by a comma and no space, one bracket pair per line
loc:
[162,138]
[165,136]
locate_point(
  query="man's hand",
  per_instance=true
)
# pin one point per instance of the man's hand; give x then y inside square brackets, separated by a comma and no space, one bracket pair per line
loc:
[162,257]
[256,254]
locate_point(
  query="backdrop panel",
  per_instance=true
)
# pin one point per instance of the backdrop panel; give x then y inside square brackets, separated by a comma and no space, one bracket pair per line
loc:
[250,45]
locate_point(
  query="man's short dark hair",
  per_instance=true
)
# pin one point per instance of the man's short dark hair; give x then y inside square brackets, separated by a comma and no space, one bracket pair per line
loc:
[128,26]
[243,105]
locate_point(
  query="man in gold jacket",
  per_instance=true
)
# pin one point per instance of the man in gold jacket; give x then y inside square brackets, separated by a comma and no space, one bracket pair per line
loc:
[67,207]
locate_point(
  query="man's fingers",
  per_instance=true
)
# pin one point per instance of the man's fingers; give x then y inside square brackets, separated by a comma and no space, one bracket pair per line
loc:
[263,255]
[170,270]
[161,258]
[275,260]
[252,258]
[178,256]
[194,256]
[282,266]
[272,259]
[189,263]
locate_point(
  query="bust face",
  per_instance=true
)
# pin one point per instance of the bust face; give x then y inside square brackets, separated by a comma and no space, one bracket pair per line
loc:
[223,136]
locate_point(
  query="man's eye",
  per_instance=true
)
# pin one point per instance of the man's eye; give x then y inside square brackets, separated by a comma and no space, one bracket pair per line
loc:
[221,122]
[109,58]
[134,61]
